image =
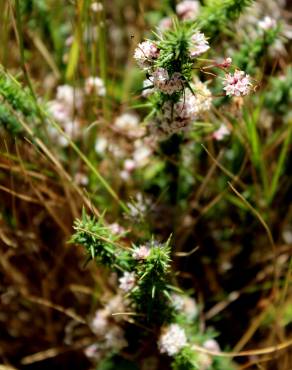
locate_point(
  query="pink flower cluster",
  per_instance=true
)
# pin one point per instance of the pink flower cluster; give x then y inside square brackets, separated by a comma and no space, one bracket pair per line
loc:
[141,253]
[188,10]
[106,327]
[237,84]
[145,54]
[127,281]
[62,110]
[178,117]
[267,23]
[221,133]
[172,340]
[199,44]
[166,84]
[95,85]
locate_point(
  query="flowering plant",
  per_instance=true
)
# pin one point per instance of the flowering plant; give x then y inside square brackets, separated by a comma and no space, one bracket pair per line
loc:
[177,97]
[146,291]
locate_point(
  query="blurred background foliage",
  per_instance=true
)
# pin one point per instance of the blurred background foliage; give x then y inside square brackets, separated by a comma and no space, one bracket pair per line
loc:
[231,198]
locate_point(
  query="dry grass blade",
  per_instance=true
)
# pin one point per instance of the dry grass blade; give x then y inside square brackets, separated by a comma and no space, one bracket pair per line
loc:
[58,166]
[67,311]
[234,178]
[254,352]
[24,197]
[53,352]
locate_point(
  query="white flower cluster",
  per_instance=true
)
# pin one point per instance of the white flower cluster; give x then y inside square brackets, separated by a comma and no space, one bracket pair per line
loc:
[62,108]
[145,54]
[103,318]
[204,360]
[100,322]
[128,123]
[69,96]
[177,113]
[237,84]
[81,179]
[96,7]
[138,207]
[116,228]
[203,97]
[95,85]
[221,132]
[141,253]
[188,9]
[172,340]
[127,281]
[113,340]
[177,117]
[93,352]
[140,157]
[199,44]
[212,345]
[267,23]
[168,85]
[105,326]
[62,111]
[130,148]
[159,78]
[186,305]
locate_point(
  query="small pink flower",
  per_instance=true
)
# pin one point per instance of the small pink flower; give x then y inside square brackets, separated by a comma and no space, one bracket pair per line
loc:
[92,352]
[204,361]
[237,84]
[165,24]
[160,78]
[115,338]
[267,23]
[96,7]
[141,253]
[172,340]
[199,44]
[100,323]
[116,228]
[59,110]
[188,10]
[81,179]
[221,133]
[212,345]
[226,63]
[69,40]
[145,53]
[141,153]
[127,281]
[95,85]
[69,95]
[129,165]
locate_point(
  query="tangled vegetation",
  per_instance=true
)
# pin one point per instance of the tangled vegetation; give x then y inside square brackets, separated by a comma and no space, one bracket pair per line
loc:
[145,214]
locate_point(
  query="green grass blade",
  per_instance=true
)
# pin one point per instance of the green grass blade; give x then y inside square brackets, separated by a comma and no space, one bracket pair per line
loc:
[280,165]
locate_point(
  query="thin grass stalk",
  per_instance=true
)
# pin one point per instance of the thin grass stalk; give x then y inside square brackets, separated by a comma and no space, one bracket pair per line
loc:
[280,166]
